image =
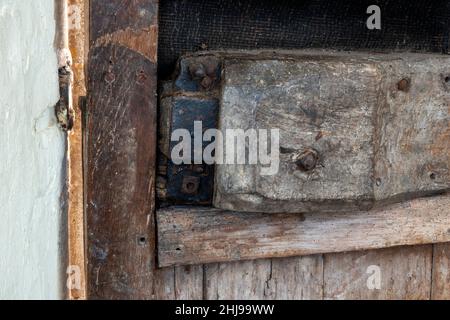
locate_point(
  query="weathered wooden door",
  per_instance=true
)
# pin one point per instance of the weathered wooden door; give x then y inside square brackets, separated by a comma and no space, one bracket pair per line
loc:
[333,249]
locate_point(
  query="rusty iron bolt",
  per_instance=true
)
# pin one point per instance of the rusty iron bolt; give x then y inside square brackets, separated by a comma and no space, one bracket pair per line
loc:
[306,160]
[204,72]
[190,185]
[197,71]
[403,85]
[207,82]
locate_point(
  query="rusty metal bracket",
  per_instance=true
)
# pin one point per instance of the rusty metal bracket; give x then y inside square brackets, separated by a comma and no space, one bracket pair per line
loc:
[63,109]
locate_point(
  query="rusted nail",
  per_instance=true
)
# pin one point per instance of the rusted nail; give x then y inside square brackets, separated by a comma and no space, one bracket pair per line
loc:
[307,160]
[190,185]
[403,85]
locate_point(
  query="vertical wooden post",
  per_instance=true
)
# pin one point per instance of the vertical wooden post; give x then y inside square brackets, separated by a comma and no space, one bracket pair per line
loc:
[121,149]
[78,39]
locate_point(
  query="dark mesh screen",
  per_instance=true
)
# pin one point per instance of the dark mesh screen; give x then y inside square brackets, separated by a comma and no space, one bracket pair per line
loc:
[189,25]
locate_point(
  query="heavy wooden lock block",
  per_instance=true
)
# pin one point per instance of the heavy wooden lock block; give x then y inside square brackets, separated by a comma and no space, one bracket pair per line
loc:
[356,130]
[376,129]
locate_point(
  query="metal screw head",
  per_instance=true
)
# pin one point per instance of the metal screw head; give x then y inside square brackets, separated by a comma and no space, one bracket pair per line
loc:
[403,85]
[197,71]
[190,185]
[307,160]
[207,82]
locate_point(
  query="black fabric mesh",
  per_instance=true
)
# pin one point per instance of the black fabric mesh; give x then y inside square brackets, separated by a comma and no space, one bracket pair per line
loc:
[189,25]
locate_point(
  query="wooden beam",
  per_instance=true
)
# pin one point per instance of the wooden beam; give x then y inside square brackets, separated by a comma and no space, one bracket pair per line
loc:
[78,40]
[121,149]
[202,235]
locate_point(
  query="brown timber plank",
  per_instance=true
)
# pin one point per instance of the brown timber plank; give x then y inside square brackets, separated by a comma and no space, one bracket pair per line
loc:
[405,273]
[121,149]
[78,24]
[441,272]
[202,235]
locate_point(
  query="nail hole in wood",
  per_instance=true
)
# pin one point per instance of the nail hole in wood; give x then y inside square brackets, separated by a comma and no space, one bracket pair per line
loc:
[378,182]
[142,241]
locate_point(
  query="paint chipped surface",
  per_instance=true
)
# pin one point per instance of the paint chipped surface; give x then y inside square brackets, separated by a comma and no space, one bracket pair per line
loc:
[31,153]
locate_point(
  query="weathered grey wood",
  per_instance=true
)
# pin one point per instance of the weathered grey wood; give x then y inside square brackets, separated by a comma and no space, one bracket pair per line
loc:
[189,282]
[378,125]
[405,273]
[287,279]
[244,280]
[297,278]
[441,272]
[202,235]
[164,285]
[412,137]
[179,283]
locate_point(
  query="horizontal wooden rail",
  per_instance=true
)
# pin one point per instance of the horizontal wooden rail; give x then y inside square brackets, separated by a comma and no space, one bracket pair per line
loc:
[204,235]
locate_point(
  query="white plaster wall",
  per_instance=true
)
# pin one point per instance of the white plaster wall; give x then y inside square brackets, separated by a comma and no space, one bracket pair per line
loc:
[31,152]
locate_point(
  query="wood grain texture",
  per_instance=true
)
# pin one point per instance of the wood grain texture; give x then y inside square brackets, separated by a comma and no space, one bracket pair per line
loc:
[244,280]
[189,282]
[441,272]
[78,42]
[179,283]
[299,278]
[121,149]
[376,127]
[121,201]
[202,235]
[405,273]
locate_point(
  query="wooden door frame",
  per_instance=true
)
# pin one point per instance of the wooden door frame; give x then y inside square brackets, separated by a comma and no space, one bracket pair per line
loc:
[77,29]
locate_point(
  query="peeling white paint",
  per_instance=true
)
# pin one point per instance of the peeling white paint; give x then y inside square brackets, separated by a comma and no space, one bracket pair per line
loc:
[31,152]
